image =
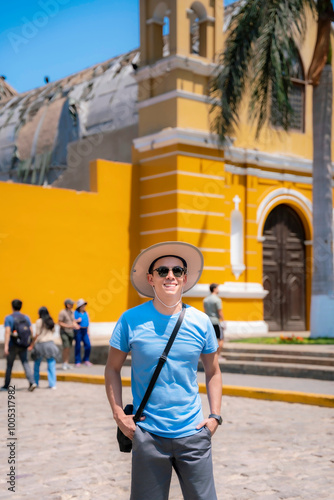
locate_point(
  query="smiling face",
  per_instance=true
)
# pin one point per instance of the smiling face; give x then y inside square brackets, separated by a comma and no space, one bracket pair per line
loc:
[169,287]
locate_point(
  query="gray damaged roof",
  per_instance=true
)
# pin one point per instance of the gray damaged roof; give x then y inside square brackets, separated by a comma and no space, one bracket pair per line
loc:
[230,11]
[6,91]
[37,126]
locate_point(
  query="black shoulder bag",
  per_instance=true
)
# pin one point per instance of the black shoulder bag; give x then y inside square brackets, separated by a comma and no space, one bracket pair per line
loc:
[125,443]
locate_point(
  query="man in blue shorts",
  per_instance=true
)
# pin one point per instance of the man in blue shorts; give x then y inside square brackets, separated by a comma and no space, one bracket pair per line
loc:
[173,433]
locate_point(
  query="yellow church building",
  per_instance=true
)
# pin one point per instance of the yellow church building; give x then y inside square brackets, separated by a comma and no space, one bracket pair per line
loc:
[121,156]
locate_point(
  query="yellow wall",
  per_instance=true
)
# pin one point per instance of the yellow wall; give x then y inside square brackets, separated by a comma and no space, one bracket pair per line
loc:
[202,219]
[58,243]
[195,205]
[275,140]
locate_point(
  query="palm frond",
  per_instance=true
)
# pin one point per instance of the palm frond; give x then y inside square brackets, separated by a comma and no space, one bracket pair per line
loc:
[260,48]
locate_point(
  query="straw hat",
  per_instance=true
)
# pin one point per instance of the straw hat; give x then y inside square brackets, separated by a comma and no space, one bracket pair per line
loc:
[186,252]
[81,302]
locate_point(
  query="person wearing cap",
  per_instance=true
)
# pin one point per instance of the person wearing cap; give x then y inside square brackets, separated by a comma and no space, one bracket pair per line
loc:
[67,328]
[172,432]
[214,309]
[82,334]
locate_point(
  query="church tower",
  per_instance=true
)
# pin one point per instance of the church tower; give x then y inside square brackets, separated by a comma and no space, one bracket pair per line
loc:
[186,192]
[179,42]
[181,168]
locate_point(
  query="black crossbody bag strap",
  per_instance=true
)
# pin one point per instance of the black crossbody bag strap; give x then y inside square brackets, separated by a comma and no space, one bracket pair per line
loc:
[160,364]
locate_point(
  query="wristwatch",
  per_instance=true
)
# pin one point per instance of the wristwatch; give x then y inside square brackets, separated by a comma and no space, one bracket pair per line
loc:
[217,417]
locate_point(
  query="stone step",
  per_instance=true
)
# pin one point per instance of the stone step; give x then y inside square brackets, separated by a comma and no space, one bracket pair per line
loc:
[267,369]
[278,358]
[282,368]
[275,369]
[317,351]
[99,355]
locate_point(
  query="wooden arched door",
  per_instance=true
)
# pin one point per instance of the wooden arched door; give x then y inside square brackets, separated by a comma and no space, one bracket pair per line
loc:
[284,270]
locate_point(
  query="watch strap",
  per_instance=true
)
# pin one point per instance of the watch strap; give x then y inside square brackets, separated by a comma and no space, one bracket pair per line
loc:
[217,417]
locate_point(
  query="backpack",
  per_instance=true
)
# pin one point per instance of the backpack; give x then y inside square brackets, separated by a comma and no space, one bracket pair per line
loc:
[21,334]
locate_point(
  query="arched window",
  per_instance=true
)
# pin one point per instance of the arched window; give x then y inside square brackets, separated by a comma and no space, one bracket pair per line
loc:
[158,33]
[198,19]
[194,37]
[296,98]
[160,12]
[165,36]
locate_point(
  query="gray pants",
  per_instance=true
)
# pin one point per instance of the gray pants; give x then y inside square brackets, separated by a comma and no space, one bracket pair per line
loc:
[22,353]
[154,457]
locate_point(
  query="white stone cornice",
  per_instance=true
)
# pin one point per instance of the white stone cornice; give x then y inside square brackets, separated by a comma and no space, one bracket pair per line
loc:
[268,174]
[272,160]
[244,329]
[230,290]
[180,153]
[173,94]
[153,20]
[172,136]
[197,66]
[209,19]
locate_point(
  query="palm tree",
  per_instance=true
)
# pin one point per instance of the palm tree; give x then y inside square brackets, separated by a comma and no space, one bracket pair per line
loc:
[259,53]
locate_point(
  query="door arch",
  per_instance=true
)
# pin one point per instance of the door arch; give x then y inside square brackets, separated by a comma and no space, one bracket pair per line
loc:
[284,270]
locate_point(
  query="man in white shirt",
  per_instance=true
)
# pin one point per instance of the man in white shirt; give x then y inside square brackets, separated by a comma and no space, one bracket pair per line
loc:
[214,309]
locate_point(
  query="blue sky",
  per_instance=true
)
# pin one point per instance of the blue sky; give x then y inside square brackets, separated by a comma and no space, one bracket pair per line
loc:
[56,38]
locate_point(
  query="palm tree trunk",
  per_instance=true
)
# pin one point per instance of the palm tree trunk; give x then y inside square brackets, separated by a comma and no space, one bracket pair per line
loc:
[322,302]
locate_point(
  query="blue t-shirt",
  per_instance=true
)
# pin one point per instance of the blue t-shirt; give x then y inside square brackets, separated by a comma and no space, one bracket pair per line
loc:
[174,408]
[9,321]
[84,323]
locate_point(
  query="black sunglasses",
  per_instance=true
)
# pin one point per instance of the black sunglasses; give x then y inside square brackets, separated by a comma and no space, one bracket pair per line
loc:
[163,271]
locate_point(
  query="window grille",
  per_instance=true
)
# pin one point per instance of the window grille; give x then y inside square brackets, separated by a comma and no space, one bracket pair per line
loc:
[296,99]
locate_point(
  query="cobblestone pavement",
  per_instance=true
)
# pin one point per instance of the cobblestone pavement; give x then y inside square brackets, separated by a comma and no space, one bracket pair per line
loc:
[66,448]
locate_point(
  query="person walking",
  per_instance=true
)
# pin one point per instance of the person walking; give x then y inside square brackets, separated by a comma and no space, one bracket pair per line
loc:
[172,432]
[214,309]
[43,347]
[82,334]
[67,328]
[18,335]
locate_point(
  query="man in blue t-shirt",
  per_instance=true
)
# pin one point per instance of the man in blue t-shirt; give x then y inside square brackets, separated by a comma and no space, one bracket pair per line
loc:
[11,350]
[172,433]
